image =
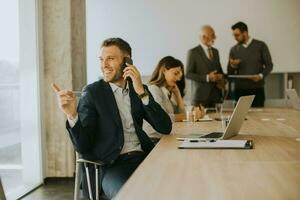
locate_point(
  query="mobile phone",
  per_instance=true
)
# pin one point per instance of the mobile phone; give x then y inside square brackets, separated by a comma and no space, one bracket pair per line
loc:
[128,61]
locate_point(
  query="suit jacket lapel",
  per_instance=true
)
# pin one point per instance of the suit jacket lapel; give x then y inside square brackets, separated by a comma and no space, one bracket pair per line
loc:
[209,63]
[203,54]
[146,143]
[112,104]
[134,100]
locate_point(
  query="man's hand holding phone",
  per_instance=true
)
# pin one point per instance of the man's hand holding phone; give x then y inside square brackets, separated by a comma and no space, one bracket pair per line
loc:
[66,101]
[131,71]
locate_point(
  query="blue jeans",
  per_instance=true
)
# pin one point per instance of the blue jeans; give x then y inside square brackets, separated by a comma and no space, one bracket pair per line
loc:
[116,174]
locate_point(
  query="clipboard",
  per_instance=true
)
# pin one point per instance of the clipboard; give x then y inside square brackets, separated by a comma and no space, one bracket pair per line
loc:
[242,76]
[215,144]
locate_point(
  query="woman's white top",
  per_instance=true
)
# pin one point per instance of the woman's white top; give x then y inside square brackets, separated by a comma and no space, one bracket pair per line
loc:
[167,101]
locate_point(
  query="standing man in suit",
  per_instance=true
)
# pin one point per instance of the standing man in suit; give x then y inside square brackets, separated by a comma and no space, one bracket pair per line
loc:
[249,57]
[107,124]
[205,71]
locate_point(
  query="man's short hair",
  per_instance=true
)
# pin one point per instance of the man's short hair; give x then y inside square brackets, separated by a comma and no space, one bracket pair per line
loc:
[120,43]
[240,25]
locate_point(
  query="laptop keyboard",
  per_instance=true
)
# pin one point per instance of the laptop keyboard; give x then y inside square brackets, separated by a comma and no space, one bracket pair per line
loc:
[213,135]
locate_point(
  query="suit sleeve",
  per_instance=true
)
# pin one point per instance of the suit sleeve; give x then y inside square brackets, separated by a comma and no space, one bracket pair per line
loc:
[220,70]
[191,72]
[230,69]
[156,116]
[82,134]
[267,60]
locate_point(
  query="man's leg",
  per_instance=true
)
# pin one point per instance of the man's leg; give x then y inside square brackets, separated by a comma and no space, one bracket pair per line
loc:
[116,175]
[259,99]
[239,93]
[259,93]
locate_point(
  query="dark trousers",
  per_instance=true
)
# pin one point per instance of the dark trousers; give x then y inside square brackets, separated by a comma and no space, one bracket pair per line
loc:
[114,175]
[214,96]
[259,93]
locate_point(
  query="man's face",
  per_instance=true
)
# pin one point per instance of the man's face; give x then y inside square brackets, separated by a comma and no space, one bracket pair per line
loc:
[239,36]
[209,37]
[111,60]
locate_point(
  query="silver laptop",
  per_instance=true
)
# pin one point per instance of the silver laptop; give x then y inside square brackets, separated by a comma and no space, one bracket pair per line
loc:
[235,122]
[293,98]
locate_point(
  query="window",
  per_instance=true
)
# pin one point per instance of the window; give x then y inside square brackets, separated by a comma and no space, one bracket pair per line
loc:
[20,135]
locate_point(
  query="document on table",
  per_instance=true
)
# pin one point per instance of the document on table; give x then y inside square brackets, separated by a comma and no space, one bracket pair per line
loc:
[215,144]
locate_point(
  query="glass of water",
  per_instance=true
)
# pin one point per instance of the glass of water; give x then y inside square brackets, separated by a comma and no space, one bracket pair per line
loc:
[219,109]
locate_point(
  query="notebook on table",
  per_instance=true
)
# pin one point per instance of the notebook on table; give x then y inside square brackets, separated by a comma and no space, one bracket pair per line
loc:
[216,144]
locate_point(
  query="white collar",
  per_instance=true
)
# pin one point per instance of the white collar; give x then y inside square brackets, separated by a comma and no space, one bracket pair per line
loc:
[248,42]
[114,87]
[204,46]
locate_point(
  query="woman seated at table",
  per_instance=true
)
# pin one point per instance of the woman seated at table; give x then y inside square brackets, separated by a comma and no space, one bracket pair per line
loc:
[167,84]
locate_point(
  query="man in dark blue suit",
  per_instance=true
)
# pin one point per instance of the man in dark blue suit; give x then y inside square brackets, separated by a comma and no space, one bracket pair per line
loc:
[107,124]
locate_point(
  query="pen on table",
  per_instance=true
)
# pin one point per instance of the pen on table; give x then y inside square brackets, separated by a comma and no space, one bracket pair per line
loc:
[196,140]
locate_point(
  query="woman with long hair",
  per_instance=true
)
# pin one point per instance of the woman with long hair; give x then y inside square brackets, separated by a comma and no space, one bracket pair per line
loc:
[167,84]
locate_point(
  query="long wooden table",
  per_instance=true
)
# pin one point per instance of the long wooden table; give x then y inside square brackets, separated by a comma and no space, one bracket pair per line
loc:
[269,171]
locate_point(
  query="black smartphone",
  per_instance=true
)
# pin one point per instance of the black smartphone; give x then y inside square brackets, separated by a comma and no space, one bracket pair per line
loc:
[128,61]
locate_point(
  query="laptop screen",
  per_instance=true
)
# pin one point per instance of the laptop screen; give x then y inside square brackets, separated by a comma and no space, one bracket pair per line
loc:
[238,116]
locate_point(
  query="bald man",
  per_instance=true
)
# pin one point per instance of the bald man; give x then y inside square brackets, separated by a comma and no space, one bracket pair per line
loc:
[205,71]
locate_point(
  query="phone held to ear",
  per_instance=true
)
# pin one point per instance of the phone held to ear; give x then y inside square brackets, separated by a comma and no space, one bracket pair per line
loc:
[128,61]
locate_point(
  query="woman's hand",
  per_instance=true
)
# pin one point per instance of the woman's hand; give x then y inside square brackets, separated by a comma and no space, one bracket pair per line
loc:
[199,111]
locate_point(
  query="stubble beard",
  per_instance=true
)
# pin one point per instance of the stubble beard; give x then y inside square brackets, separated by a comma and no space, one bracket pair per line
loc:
[116,77]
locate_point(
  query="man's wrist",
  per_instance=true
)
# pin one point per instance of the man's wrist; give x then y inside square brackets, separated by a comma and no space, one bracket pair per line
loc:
[73,121]
[143,95]
[72,116]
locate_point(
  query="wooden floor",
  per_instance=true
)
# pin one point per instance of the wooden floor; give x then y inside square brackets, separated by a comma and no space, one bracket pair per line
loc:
[53,190]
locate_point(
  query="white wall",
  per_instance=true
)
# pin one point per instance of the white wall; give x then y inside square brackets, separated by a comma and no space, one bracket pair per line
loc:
[158,28]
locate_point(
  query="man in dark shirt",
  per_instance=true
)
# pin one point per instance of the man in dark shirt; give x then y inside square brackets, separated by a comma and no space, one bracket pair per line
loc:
[107,123]
[249,57]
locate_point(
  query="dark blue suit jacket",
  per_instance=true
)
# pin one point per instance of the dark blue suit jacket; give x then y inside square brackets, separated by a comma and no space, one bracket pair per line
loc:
[98,134]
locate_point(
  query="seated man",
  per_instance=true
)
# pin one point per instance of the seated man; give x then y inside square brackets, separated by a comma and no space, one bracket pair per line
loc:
[107,124]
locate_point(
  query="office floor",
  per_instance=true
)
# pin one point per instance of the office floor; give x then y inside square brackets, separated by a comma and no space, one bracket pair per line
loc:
[54,190]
